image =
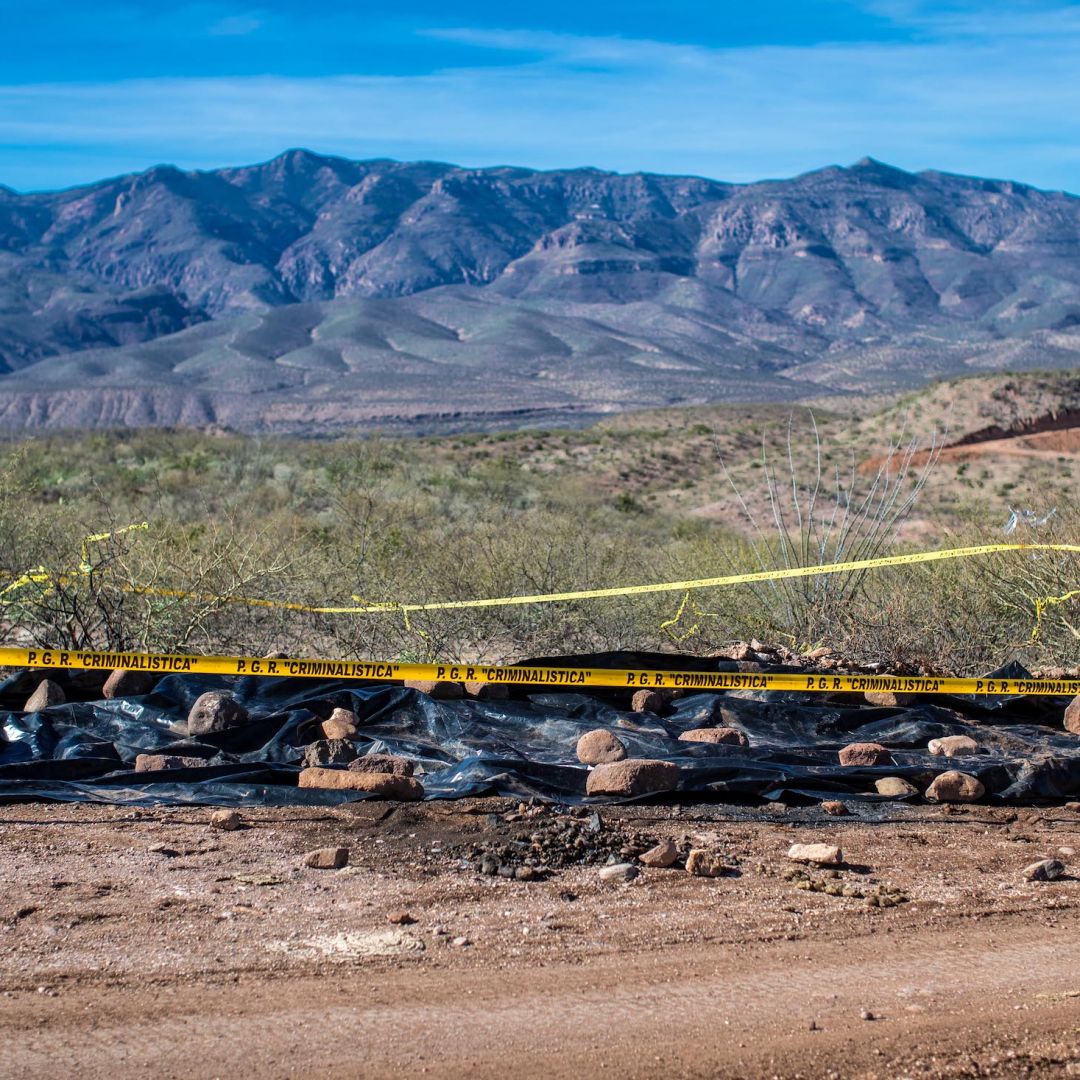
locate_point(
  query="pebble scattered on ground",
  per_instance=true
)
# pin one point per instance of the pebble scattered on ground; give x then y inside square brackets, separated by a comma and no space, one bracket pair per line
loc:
[330,858]
[818,854]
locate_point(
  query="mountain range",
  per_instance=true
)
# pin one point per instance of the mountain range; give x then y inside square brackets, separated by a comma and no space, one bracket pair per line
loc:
[315,294]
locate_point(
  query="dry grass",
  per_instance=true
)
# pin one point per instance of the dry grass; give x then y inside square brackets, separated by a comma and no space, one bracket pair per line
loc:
[657,496]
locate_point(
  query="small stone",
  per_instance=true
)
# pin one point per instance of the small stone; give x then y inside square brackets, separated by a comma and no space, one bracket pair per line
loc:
[124,684]
[887,699]
[835,808]
[647,701]
[47,694]
[402,788]
[865,753]
[461,943]
[487,691]
[955,787]
[953,746]
[635,776]
[160,762]
[727,736]
[702,863]
[663,855]
[866,1014]
[389,764]
[895,787]
[436,688]
[1045,870]
[400,918]
[818,854]
[216,710]
[327,858]
[225,820]
[342,724]
[618,872]
[329,752]
[1072,716]
[600,746]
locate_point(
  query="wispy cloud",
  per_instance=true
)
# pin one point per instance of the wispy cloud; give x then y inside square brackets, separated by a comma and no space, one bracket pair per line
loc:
[959,96]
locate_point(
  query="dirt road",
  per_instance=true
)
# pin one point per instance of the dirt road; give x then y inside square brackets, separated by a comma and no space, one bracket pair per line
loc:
[150,944]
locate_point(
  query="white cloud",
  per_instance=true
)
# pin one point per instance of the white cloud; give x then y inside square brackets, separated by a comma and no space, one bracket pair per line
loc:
[979,103]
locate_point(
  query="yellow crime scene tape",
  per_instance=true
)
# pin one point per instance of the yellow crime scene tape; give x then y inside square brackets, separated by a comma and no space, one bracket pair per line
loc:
[512,675]
[41,575]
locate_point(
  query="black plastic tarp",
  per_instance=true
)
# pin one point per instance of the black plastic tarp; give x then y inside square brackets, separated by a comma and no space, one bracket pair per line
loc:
[85,750]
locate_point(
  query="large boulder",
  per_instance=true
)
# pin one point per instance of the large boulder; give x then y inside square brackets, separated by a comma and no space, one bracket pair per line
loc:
[329,752]
[865,753]
[47,694]
[343,724]
[216,710]
[388,764]
[387,785]
[953,746]
[635,776]
[724,736]
[600,746]
[1072,716]
[124,684]
[955,787]
[161,762]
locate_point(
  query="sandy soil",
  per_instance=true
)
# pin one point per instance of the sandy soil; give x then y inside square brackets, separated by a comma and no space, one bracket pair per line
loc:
[145,942]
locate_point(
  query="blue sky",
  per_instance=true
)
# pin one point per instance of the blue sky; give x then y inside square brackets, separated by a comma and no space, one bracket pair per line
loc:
[733,91]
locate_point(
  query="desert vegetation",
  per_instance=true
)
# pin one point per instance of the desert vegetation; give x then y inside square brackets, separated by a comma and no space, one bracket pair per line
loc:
[660,496]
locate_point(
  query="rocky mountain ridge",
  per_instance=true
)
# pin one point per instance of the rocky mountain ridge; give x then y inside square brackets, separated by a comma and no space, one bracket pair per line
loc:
[321,287]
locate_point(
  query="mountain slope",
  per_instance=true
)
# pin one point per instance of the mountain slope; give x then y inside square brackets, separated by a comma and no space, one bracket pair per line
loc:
[387,288]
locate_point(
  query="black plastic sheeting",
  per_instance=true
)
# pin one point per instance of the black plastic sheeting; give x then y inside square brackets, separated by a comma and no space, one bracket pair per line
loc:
[85,750]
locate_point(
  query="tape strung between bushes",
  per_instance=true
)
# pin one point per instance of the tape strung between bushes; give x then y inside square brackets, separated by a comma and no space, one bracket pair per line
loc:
[391,671]
[42,576]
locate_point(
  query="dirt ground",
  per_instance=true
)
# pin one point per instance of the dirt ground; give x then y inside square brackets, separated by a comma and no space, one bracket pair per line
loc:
[146,942]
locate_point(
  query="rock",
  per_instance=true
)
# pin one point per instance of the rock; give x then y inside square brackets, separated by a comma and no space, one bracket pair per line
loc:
[403,788]
[835,808]
[400,918]
[123,684]
[818,854]
[216,710]
[889,700]
[955,787]
[160,762]
[599,747]
[619,872]
[702,863]
[1045,870]
[953,746]
[225,820]
[647,701]
[663,855]
[895,787]
[865,753]
[1072,716]
[727,736]
[343,724]
[47,693]
[388,764]
[635,776]
[327,858]
[487,691]
[435,688]
[329,752]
